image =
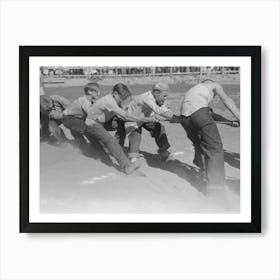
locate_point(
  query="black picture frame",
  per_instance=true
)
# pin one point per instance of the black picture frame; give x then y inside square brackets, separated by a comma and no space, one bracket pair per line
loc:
[254,52]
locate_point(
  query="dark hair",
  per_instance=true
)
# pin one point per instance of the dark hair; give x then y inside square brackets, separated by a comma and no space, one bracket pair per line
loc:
[90,87]
[207,80]
[122,90]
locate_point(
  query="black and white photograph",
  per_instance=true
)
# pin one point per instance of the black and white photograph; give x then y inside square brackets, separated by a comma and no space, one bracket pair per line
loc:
[139,139]
[136,139]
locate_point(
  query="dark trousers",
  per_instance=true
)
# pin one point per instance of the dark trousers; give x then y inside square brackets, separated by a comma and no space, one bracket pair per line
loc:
[44,121]
[156,130]
[203,132]
[97,131]
[97,134]
[118,125]
[77,127]
[51,127]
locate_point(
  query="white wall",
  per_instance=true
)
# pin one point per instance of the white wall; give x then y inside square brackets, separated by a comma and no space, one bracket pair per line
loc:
[124,256]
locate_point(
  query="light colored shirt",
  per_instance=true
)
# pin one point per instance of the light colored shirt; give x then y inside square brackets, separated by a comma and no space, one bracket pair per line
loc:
[42,92]
[79,108]
[145,104]
[59,104]
[104,109]
[196,98]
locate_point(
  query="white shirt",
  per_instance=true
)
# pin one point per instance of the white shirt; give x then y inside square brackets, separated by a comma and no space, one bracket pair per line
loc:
[85,103]
[145,104]
[104,109]
[197,97]
[79,108]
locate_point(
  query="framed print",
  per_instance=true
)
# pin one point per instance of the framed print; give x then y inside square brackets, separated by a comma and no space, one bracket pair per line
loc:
[140,139]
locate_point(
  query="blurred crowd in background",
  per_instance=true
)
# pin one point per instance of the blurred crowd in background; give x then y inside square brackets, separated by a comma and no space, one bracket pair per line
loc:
[141,71]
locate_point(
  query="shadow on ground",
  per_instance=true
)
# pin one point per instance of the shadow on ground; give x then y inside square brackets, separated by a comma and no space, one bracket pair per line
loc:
[189,173]
[92,150]
[96,151]
[233,159]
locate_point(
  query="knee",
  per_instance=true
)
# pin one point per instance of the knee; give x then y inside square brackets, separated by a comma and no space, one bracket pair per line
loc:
[133,132]
[158,130]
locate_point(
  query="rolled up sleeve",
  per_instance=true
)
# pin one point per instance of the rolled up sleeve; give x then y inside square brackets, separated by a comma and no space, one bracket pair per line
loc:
[153,106]
[116,110]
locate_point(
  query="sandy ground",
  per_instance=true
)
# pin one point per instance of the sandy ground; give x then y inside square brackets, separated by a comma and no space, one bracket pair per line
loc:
[75,181]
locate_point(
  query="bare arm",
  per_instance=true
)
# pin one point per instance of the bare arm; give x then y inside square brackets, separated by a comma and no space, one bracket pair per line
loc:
[162,113]
[221,119]
[62,101]
[131,118]
[228,102]
[169,117]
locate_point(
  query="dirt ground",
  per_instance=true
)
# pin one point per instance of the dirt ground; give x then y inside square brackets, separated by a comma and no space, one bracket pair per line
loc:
[75,181]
